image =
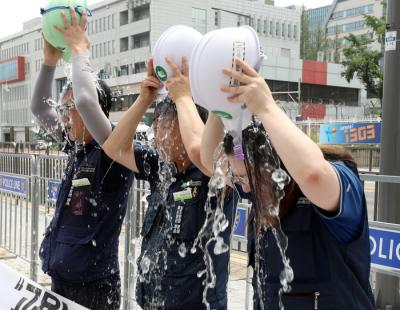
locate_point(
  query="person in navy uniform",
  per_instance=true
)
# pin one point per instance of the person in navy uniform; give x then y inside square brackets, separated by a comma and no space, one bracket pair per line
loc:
[318,204]
[80,247]
[170,272]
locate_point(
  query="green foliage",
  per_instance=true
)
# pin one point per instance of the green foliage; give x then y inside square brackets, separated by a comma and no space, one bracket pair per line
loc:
[363,62]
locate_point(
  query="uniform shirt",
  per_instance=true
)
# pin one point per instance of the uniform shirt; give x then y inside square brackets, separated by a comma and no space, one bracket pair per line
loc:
[331,268]
[174,216]
[81,242]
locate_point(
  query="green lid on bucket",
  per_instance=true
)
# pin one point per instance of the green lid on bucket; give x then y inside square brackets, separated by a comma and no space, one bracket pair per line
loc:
[51,15]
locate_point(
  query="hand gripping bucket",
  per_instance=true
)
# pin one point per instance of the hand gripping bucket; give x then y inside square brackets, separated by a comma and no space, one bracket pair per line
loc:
[51,16]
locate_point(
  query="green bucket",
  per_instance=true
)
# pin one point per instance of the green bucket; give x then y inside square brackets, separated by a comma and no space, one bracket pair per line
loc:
[51,15]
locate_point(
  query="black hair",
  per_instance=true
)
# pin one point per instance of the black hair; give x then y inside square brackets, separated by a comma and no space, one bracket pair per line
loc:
[103,94]
[167,107]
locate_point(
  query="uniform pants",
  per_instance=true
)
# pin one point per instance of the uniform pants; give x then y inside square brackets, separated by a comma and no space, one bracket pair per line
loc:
[92,296]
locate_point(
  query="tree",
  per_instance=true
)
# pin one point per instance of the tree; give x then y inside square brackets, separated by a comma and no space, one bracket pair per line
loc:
[311,41]
[363,62]
[305,44]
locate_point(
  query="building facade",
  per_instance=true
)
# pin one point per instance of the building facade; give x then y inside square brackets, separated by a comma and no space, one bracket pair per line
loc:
[122,34]
[347,16]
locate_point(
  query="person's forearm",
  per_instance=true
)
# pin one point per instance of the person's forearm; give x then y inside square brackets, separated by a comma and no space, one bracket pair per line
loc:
[86,99]
[213,134]
[191,128]
[45,114]
[119,143]
[302,158]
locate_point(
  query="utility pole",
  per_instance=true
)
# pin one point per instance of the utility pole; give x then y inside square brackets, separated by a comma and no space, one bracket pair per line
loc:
[387,287]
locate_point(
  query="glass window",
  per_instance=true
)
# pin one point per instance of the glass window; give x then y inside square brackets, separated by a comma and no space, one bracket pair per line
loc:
[199,20]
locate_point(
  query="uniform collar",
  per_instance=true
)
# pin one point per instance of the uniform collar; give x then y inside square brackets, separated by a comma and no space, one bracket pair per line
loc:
[86,147]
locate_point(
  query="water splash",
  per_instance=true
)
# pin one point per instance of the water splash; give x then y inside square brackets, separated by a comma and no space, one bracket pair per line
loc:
[208,239]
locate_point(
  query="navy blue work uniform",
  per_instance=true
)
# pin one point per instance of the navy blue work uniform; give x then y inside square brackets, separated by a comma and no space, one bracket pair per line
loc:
[170,222]
[329,254]
[80,247]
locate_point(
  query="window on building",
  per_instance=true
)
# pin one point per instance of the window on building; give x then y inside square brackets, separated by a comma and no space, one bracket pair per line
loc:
[277,29]
[259,30]
[290,31]
[123,18]
[124,70]
[295,34]
[123,44]
[140,13]
[105,49]
[285,52]
[140,67]
[199,20]
[141,40]
[271,27]
[283,30]
[265,30]
[217,18]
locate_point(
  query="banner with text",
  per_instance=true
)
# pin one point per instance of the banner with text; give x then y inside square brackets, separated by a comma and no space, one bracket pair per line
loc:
[350,133]
[18,292]
[14,185]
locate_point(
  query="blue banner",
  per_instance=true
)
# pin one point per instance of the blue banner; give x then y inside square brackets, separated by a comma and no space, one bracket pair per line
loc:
[15,185]
[385,248]
[53,188]
[350,133]
[239,229]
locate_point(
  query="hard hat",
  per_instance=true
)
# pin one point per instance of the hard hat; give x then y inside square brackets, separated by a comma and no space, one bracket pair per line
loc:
[174,43]
[215,51]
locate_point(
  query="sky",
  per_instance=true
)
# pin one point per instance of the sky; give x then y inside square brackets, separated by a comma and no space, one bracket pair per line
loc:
[15,12]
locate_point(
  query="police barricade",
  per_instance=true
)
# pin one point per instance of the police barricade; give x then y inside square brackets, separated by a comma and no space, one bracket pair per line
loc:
[384,240]
[18,217]
[29,187]
[19,292]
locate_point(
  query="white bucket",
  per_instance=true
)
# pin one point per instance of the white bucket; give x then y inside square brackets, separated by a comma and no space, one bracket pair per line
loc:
[174,43]
[215,51]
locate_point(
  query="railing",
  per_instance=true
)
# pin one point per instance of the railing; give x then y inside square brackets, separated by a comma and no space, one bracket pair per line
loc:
[27,187]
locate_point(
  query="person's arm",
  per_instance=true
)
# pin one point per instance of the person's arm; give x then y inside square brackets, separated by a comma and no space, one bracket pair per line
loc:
[191,125]
[212,136]
[302,157]
[118,145]
[83,78]
[46,114]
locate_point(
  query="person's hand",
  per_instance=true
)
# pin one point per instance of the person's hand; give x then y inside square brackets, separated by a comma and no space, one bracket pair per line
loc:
[74,34]
[178,86]
[150,84]
[252,89]
[51,55]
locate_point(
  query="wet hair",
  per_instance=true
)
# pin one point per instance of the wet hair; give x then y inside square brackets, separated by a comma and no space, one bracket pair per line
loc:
[167,108]
[259,154]
[103,94]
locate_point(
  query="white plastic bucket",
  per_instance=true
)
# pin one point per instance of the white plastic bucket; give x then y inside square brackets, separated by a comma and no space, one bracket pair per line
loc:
[174,43]
[215,51]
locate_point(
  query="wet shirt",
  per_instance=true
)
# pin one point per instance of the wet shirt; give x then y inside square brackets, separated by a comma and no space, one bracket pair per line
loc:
[81,242]
[331,267]
[346,225]
[168,268]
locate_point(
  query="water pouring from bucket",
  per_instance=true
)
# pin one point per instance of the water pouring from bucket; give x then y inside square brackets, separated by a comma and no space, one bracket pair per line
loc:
[174,43]
[51,15]
[216,50]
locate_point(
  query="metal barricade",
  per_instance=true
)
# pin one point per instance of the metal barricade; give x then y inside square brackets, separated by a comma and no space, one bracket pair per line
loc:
[28,190]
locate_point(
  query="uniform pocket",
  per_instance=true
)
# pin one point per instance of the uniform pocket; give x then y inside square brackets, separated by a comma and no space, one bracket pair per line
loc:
[74,252]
